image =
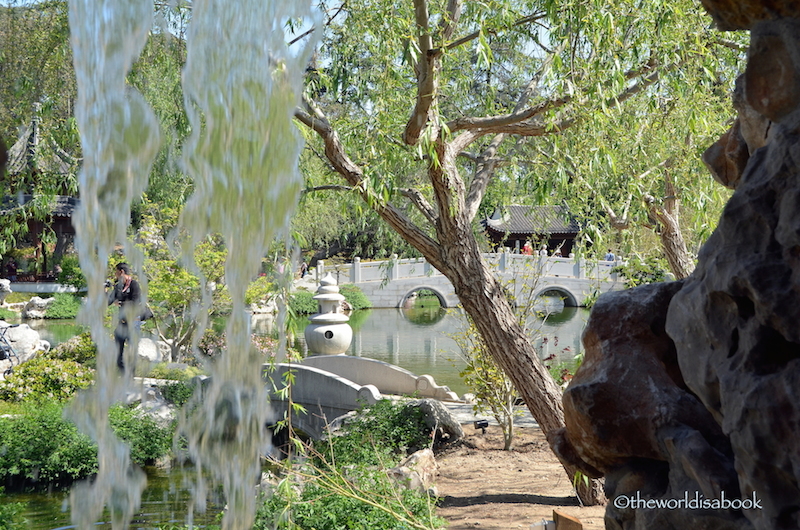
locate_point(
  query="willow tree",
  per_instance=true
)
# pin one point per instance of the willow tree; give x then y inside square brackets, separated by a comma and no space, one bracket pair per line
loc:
[426,102]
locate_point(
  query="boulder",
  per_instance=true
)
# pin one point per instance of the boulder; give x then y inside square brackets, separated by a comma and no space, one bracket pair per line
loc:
[26,343]
[36,308]
[703,399]
[443,425]
[5,288]
[630,417]
[151,350]
[416,472]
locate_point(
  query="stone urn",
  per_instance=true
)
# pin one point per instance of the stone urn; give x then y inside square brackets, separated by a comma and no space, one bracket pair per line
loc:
[329,332]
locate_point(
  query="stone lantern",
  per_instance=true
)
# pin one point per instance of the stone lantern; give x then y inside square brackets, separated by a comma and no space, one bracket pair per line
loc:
[329,332]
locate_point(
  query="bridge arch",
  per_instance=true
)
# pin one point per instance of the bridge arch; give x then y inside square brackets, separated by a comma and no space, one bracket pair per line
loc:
[412,292]
[570,300]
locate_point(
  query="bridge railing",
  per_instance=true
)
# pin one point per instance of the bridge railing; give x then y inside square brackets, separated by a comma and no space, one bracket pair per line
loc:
[503,262]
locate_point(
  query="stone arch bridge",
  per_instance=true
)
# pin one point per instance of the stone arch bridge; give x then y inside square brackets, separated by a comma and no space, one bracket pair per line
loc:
[392,282]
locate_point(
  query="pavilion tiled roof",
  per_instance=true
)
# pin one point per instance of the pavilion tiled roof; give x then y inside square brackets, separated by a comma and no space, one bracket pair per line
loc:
[518,219]
[60,206]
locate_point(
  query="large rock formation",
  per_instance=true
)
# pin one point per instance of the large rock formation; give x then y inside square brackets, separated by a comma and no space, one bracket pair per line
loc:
[691,391]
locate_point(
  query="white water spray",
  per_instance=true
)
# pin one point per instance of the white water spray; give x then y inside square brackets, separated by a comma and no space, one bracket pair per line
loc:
[241,84]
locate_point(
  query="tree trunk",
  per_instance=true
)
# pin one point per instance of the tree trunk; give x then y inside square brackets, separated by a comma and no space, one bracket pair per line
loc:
[680,262]
[485,302]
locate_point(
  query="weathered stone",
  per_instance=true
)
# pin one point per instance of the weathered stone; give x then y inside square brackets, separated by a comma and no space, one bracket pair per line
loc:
[744,14]
[772,77]
[150,350]
[727,157]
[443,425]
[36,307]
[416,472]
[5,288]
[26,343]
[726,422]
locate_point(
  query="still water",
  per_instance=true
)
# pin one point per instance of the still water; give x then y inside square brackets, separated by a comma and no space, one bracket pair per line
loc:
[421,340]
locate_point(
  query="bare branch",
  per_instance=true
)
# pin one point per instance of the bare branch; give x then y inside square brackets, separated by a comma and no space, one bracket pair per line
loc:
[449,22]
[426,70]
[506,122]
[313,118]
[328,187]
[489,162]
[422,204]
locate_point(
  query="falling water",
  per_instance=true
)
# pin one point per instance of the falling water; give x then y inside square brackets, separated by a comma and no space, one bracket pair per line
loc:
[241,83]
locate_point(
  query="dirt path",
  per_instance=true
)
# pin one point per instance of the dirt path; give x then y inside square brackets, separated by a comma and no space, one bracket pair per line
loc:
[484,487]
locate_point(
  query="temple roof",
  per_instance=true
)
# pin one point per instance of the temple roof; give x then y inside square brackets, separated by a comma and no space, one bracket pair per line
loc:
[520,219]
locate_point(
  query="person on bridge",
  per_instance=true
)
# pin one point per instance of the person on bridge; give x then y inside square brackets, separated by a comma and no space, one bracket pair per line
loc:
[527,248]
[609,256]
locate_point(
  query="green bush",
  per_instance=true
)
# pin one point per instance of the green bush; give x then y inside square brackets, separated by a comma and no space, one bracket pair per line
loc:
[66,305]
[354,296]
[71,273]
[149,441]
[11,517]
[303,303]
[178,393]
[163,371]
[259,291]
[345,485]
[7,314]
[39,447]
[45,378]
[638,271]
[79,348]
[384,428]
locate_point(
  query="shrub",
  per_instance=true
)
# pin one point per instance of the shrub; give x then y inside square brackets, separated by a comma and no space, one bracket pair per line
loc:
[303,303]
[11,517]
[178,393]
[259,291]
[148,440]
[163,371]
[354,296]
[79,348]
[71,273]
[7,314]
[40,447]
[45,378]
[638,271]
[65,305]
[345,484]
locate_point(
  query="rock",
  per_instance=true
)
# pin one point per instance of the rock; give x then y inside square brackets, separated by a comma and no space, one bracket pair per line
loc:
[36,307]
[5,288]
[716,407]
[416,472]
[630,416]
[444,426]
[150,350]
[735,323]
[26,343]
[744,14]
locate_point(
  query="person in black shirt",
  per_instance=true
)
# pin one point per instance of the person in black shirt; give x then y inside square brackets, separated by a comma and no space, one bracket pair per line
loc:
[127,295]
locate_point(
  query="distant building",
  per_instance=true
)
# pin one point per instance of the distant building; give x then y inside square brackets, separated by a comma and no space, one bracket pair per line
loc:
[34,156]
[513,225]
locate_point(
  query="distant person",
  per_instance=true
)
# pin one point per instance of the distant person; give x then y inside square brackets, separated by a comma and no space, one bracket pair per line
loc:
[127,294]
[303,270]
[609,256]
[527,248]
[11,270]
[557,253]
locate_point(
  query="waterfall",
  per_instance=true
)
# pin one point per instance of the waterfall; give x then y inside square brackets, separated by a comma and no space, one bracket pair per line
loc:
[241,83]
